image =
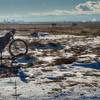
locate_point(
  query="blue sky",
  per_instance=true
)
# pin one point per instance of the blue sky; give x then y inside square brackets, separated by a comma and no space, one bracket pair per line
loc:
[50,10]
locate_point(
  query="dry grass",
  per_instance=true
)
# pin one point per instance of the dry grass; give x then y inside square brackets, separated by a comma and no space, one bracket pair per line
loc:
[78,29]
[60,61]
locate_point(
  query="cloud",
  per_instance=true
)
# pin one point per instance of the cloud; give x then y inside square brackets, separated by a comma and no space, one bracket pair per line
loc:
[91,7]
[93,20]
[52,13]
[12,16]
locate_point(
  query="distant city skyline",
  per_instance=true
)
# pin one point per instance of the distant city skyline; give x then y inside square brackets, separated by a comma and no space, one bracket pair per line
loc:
[49,10]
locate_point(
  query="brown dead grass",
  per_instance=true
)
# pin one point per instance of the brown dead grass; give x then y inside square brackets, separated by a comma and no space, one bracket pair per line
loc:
[78,29]
[60,61]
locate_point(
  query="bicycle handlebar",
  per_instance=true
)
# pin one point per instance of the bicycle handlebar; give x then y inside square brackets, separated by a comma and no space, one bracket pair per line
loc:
[13,31]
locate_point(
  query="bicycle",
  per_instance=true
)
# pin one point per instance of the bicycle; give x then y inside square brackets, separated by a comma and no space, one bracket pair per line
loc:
[17,47]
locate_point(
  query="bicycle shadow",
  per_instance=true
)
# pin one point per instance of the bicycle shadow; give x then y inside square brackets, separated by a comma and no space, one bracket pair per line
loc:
[6,72]
[16,70]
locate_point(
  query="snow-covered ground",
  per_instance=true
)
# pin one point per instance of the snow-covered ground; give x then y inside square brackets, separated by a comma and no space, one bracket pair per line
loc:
[70,73]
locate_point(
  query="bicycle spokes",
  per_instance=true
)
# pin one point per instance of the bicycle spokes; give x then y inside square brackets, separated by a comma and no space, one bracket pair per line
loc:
[18,47]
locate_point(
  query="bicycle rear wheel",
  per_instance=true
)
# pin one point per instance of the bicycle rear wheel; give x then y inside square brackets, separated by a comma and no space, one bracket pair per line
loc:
[18,47]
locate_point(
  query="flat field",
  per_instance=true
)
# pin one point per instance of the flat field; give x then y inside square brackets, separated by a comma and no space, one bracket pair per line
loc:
[63,65]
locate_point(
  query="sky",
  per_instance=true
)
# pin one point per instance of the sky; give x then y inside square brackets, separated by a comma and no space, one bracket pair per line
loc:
[49,10]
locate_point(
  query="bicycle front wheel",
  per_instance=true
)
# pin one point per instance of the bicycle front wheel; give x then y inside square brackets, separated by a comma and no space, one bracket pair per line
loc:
[18,47]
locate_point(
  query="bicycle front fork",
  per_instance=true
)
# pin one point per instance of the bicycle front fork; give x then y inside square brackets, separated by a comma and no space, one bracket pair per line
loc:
[1,58]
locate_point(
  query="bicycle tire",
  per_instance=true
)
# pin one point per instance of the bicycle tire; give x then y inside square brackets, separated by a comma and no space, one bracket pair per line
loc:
[16,41]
